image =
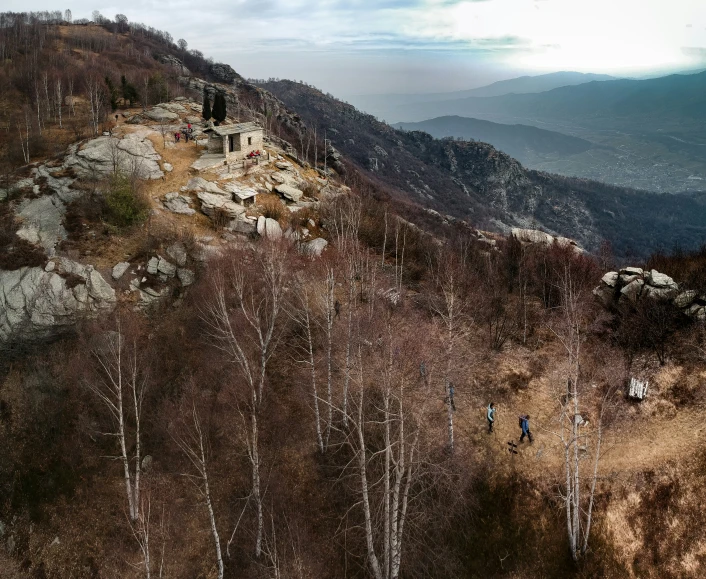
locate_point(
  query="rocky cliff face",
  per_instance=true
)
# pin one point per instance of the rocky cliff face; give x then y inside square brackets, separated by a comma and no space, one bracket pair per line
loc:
[38,303]
[474,181]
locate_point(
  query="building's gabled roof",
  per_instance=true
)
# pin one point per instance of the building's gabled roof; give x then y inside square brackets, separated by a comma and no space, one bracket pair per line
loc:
[224,130]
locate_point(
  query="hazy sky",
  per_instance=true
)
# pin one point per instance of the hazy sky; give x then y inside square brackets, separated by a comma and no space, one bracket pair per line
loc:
[378,46]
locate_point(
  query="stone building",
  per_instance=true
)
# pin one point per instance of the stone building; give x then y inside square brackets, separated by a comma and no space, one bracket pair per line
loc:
[235,141]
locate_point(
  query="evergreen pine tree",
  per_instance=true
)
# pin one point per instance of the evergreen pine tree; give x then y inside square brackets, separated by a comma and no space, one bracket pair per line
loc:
[206,114]
[219,108]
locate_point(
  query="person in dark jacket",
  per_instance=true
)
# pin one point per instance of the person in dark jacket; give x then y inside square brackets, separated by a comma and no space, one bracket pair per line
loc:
[491,417]
[524,424]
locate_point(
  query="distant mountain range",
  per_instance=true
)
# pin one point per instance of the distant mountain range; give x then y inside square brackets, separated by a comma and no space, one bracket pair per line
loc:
[651,133]
[523,142]
[380,104]
[475,181]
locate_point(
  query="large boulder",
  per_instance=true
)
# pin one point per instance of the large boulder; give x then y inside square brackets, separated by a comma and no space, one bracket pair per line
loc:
[610,278]
[174,108]
[660,280]
[272,229]
[289,192]
[211,203]
[632,291]
[161,115]
[200,184]
[101,156]
[36,304]
[178,204]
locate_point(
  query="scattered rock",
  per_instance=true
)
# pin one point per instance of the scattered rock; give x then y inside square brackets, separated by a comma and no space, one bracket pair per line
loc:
[211,202]
[610,278]
[660,280]
[241,226]
[685,299]
[177,252]
[186,276]
[200,184]
[178,204]
[314,248]
[632,290]
[168,269]
[284,165]
[289,192]
[119,269]
[160,115]
[153,265]
[168,167]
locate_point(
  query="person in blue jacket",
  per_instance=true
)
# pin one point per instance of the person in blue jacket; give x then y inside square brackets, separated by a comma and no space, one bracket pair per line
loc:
[491,417]
[524,424]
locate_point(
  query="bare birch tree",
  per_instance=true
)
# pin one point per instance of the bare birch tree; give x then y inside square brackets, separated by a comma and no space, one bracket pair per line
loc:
[302,315]
[96,101]
[449,306]
[121,383]
[245,332]
[573,431]
[394,466]
[191,442]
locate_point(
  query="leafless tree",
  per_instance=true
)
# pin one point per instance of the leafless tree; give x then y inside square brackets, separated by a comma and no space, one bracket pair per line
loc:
[96,101]
[302,313]
[24,139]
[58,98]
[142,532]
[572,428]
[450,307]
[121,381]
[394,466]
[245,332]
[191,442]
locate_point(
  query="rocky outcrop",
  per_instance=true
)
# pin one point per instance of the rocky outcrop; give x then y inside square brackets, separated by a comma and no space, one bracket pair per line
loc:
[101,156]
[313,248]
[39,303]
[534,236]
[161,114]
[178,204]
[632,284]
[223,73]
[211,203]
[175,63]
[289,192]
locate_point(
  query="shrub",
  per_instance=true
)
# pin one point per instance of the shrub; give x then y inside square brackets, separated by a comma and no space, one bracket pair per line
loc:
[124,204]
[271,206]
[16,252]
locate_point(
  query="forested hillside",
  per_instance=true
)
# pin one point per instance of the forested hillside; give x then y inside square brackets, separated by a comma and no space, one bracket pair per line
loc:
[299,385]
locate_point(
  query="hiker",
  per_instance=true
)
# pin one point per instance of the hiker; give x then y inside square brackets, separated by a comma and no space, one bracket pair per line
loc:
[491,417]
[452,391]
[524,424]
[176,137]
[337,308]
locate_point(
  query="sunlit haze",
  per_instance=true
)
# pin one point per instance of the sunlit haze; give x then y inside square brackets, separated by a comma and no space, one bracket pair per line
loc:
[352,46]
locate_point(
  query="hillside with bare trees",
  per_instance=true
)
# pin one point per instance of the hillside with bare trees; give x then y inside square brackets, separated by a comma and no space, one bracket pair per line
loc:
[298,386]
